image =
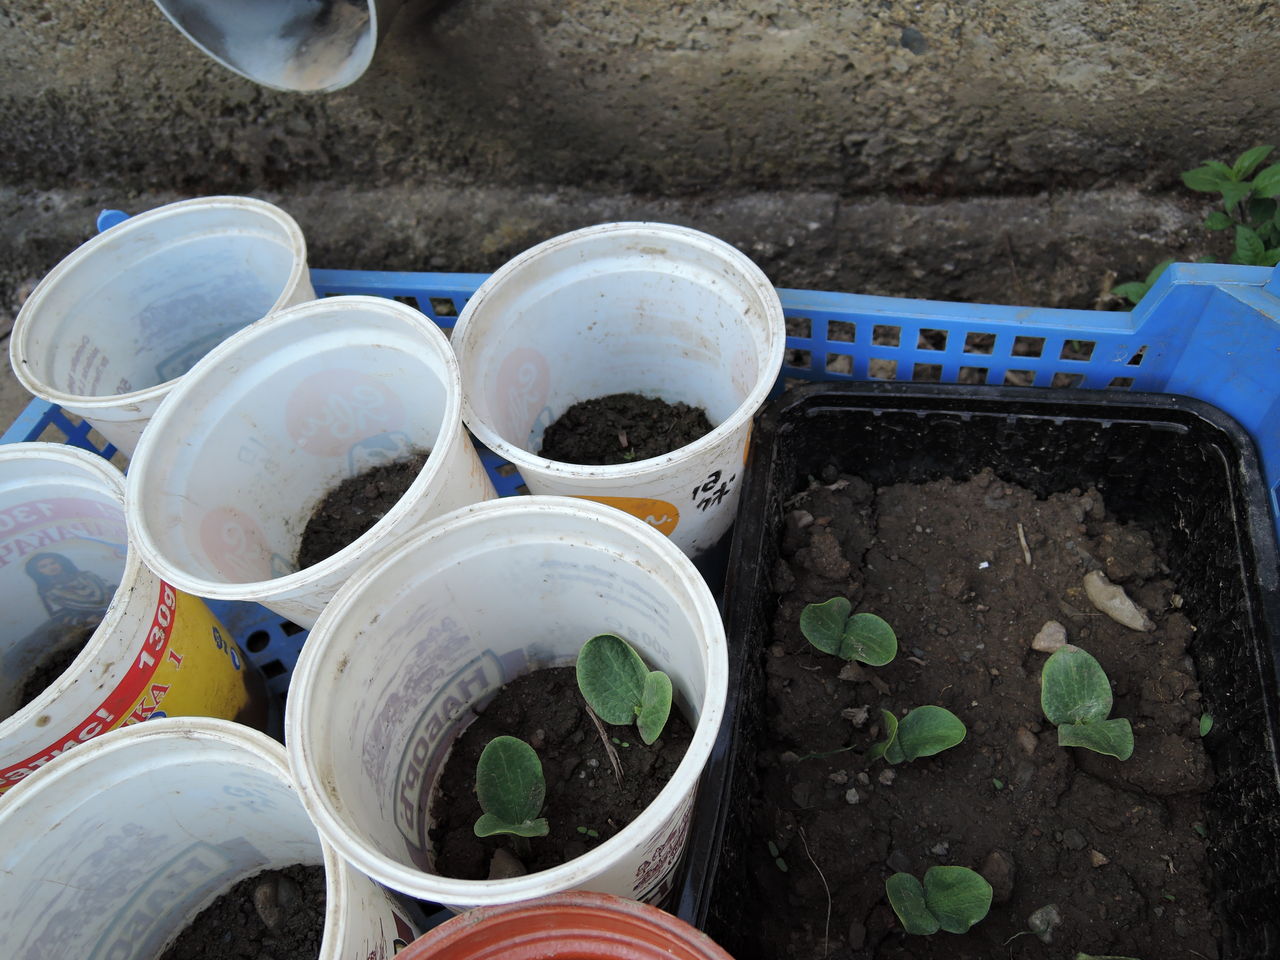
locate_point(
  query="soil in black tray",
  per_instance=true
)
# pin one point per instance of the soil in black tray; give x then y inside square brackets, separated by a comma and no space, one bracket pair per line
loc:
[620,428]
[277,914]
[356,504]
[546,710]
[968,574]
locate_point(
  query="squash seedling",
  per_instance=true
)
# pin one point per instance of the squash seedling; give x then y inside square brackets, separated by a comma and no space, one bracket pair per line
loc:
[951,899]
[1075,695]
[862,636]
[921,733]
[621,689]
[511,788]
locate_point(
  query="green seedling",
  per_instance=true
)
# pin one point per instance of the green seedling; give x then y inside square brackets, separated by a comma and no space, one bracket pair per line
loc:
[510,787]
[588,832]
[1075,695]
[621,689]
[1206,724]
[921,733]
[1250,199]
[862,636]
[951,899]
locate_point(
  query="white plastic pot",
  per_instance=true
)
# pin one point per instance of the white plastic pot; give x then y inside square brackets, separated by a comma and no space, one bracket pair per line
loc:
[112,851]
[66,569]
[644,308]
[444,618]
[109,330]
[239,455]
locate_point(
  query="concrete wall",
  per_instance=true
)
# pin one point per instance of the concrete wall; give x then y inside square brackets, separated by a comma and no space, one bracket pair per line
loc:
[1010,150]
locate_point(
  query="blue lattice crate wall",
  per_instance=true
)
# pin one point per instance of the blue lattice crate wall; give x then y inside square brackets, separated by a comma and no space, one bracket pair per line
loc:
[1208,331]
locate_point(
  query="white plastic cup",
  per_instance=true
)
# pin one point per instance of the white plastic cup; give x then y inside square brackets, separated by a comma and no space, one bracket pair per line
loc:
[253,437]
[111,328]
[441,620]
[644,308]
[66,569]
[113,851]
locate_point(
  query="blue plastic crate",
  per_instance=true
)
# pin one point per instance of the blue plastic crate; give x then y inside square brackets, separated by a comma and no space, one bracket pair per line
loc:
[1209,331]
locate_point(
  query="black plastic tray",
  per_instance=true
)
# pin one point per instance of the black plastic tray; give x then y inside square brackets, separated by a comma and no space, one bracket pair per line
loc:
[1178,466]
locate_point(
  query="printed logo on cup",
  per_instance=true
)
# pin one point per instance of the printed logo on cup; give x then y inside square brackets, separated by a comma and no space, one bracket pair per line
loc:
[659,514]
[329,412]
[526,378]
[235,545]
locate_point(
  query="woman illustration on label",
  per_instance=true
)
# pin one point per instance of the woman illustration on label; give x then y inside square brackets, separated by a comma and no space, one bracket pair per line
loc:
[71,596]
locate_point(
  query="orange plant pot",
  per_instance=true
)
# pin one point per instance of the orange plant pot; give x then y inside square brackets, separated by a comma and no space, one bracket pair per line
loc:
[566,926]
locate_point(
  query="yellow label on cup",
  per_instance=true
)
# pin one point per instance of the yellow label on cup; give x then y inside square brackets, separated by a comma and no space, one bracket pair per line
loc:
[185,664]
[659,514]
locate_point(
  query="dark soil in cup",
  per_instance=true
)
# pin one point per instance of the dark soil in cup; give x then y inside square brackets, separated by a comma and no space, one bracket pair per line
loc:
[356,504]
[545,709]
[620,428]
[968,574]
[54,664]
[277,914]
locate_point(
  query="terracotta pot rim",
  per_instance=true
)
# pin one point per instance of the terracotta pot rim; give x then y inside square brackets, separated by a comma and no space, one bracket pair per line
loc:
[578,924]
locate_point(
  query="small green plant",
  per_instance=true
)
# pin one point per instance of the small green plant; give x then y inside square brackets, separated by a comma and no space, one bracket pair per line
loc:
[951,899]
[588,832]
[1075,695]
[921,733]
[621,689]
[1206,724]
[861,636]
[511,788]
[1250,206]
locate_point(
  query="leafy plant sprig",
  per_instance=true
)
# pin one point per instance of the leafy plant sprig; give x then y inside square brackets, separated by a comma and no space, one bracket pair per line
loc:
[1250,205]
[951,899]
[1075,695]
[861,636]
[921,733]
[621,689]
[511,789]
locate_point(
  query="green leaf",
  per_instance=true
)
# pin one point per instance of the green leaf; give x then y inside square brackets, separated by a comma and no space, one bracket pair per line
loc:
[1233,193]
[888,747]
[1157,270]
[928,730]
[1207,179]
[823,624]
[1074,688]
[1248,161]
[1260,213]
[957,896]
[611,676]
[655,706]
[1267,182]
[1133,291]
[1112,737]
[1218,221]
[1206,724]
[1249,248]
[906,896]
[510,788]
[1270,258]
[869,639]
[488,825]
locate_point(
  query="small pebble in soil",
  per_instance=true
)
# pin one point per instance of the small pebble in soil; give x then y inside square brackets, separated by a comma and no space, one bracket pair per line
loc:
[886,777]
[1052,637]
[851,796]
[1044,921]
